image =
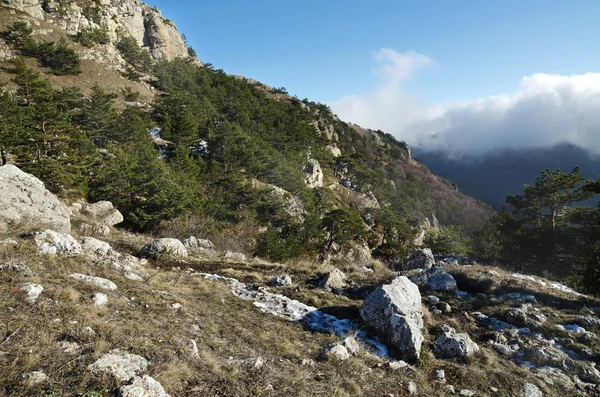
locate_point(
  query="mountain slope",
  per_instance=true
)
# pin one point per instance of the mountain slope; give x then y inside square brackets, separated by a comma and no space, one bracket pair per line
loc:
[233,152]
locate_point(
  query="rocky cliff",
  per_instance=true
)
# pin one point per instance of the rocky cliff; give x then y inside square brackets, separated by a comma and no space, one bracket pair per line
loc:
[131,17]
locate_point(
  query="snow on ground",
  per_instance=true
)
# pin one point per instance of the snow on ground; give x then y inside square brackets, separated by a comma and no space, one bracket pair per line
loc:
[557,286]
[293,310]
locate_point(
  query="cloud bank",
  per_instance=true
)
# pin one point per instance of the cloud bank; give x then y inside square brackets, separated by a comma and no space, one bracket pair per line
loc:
[545,110]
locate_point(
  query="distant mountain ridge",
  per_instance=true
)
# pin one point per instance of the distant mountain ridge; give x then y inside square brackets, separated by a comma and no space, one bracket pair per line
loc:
[492,176]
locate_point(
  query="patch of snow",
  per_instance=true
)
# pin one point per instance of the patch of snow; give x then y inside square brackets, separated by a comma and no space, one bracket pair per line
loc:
[293,310]
[572,328]
[564,288]
[529,278]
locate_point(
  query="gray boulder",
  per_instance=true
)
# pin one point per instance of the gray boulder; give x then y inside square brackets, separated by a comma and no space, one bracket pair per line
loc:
[419,259]
[120,365]
[395,311]
[451,344]
[9,267]
[24,201]
[338,352]
[50,242]
[144,386]
[164,246]
[435,279]
[97,249]
[102,213]
[100,299]
[314,177]
[336,279]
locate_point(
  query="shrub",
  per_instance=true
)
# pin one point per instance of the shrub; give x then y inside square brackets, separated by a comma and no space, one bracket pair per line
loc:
[61,59]
[448,240]
[92,36]
[136,56]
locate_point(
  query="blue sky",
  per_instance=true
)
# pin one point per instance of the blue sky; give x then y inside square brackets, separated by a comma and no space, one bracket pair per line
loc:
[324,49]
[331,51]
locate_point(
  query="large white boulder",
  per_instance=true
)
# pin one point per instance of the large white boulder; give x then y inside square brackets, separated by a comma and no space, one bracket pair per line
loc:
[395,311]
[50,242]
[97,249]
[144,386]
[120,365]
[25,201]
[164,246]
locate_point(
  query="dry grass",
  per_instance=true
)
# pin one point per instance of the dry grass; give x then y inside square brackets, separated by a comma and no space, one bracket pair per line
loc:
[139,319]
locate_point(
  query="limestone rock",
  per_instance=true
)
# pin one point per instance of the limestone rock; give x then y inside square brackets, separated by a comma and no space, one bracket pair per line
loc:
[314,177]
[412,388]
[100,299]
[144,386]
[33,378]
[338,352]
[193,242]
[122,366]
[336,279]
[351,345]
[102,213]
[234,256]
[531,390]
[97,249]
[548,355]
[420,259]
[50,242]
[9,267]
[24,201]
[97,281]
[281,281]
[164,246]
[33,291]
[395,311]
[435,279]
[451,344]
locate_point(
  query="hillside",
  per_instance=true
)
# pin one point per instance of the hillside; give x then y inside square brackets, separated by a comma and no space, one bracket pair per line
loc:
[121,314]
[117,70]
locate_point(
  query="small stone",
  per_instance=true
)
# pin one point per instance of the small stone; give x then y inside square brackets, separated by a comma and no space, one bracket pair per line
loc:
[281,281]
[133,277]
[176,306]
[33,291]
[433,299]
[412,388]
[88,331]
[69,347]
[494,389]
[193,346]
[440,376]
[336,279]
[34,378]
[466,393]
[234,256]
[352,345]
[444,307]
[307,362]
[451,344]
[100,299]
[338,352]
[450,389]
[396,365]
[16,268]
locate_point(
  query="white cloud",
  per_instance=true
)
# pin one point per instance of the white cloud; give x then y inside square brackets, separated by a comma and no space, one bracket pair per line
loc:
[544,110]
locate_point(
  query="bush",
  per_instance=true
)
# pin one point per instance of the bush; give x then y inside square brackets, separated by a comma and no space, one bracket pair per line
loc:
[61,59]
[92,36]
[136,56]
[129,94]
[448,240]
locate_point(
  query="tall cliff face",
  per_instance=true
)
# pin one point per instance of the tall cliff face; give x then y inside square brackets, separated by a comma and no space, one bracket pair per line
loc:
[131,17]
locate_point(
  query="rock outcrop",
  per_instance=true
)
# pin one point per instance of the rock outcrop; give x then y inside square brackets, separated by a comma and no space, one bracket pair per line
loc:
[25,202]
[136,19]
[50,242]
[395,311]
[314,177]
